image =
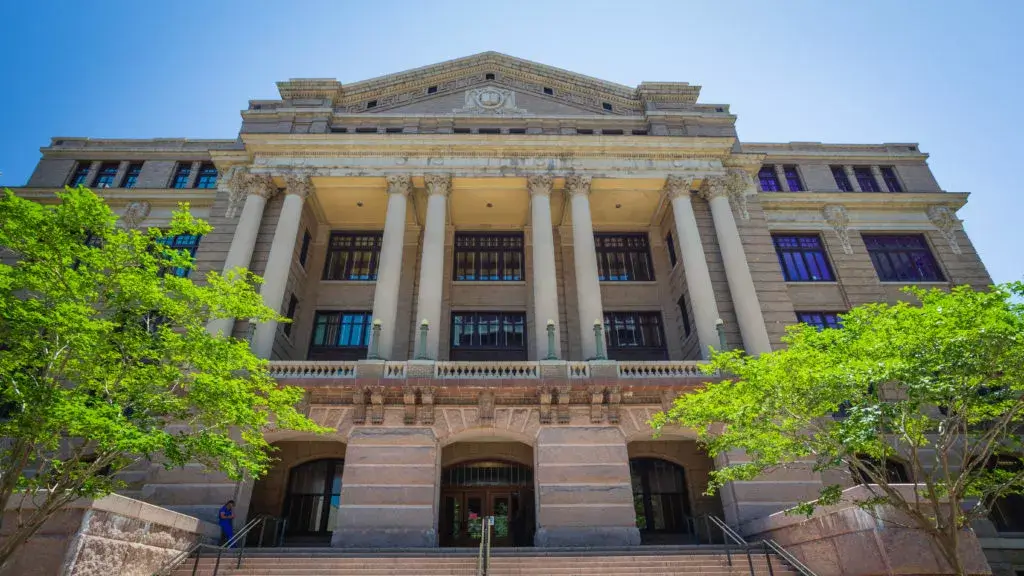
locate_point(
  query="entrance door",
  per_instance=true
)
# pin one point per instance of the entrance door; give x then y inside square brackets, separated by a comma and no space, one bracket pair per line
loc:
[313,498]
[471,492]
[660,499]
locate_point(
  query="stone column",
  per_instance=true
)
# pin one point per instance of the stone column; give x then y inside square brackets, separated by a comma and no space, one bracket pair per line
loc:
[854,183]
[695,264]
[389,271]
[876,171]
[279,263]
[588,289]
[545,282]
[428,302]
[717,191]
[780,173]
[256,190]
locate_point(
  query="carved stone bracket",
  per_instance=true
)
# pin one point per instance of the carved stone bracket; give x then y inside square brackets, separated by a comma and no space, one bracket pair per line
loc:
[485,408]
[409,400]
[564,417]
[377,405]
[614,401]
[426,408]
[134,214]
[545,399]
[944,218]
[438,184]
[359,400]
[597,405]
[835,216]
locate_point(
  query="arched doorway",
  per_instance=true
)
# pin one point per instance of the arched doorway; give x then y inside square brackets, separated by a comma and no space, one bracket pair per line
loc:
[471,491]
[313,497]
[660,499]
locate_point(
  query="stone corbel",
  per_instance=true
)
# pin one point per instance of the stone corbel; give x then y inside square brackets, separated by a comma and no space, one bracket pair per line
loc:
[614,402]
[835,216]
[564,417]
[426,408]
[545,406]
[409,399]
[944,218]
[377,405]
[597,405]
[359,406]
[485,408]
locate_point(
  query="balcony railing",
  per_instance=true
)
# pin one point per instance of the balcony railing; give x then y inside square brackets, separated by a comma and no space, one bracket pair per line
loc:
[523,370]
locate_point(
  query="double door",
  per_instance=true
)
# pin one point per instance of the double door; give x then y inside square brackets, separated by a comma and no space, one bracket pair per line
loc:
[464,511]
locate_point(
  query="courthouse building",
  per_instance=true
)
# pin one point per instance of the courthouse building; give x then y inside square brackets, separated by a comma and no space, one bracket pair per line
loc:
[498,271]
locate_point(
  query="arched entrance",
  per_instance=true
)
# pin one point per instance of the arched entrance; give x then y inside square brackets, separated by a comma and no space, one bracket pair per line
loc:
[313,497]
[660,499]
[471,491]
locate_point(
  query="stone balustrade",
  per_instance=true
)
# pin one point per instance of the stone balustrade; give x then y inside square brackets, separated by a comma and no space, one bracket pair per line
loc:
[659,369]
[313,369]
[487,370]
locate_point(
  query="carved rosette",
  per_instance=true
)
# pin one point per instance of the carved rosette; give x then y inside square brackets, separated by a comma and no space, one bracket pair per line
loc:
[399,184]
[539,185]
[438,184]
[577,184]
[134,214]
[944,218]
[835,216]
[678,185]
[300,185]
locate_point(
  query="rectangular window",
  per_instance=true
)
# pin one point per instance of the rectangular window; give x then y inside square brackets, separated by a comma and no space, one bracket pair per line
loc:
[131,177]
[488,257]
[181,174]
[820,320]
[905,258]
[685,315]
[293,303]
[187,242]
[517,130]
[769,179]
[304,250]
[634,336]
[892,182]
[105,177]
[340,336]
[489,131]
[802,258]
[842,180]
[488,336]
[793,179]
[866,179]
[352,256]
[207,177]
[670,242]
[80,175]
[623,257]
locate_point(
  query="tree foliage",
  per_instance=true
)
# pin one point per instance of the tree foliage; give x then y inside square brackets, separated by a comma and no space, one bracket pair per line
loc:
[937,385]
[105,360]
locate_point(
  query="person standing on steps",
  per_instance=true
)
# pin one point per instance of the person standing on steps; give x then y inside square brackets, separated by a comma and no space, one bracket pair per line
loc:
[226,517]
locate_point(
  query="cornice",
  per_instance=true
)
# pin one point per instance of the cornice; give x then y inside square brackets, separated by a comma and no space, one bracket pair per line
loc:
[861,200]
[198,197]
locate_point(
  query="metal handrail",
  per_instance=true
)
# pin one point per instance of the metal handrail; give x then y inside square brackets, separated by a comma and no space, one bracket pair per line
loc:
[768,546]
[483,560]
[788,557]
[199,546]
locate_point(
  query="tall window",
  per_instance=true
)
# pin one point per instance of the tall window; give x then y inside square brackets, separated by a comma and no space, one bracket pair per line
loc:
[80,175]
[866,179]
[820,320]
[105,177]
[488,336]
[802,258]
[634,336]
[892,182]
[304,250]
[769,179]
[131,177]
[793,179]
[623,257]
[352,256]
[187,242]
[842,180]
[496,257]
[904,258]
[181,174]
[293,303]
[207,177]
[671,249]
[684,315]
[340,336]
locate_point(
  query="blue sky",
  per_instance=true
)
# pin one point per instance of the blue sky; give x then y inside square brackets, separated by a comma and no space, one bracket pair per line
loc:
[947,75]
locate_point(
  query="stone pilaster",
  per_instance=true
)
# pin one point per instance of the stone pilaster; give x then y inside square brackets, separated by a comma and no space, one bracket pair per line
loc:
[852,178]
[389,271]
[544,278]
[428,302]
[588,288]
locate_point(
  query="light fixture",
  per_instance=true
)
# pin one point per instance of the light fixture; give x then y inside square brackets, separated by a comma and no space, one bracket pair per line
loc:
[360,204]
[489,205]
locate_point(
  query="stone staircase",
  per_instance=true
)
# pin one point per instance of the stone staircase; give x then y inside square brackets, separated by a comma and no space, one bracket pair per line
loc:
[644,561]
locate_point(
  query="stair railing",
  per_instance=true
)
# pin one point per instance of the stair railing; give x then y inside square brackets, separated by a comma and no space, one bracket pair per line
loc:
[788,557]
[238,540]
[767,546]
[483,560]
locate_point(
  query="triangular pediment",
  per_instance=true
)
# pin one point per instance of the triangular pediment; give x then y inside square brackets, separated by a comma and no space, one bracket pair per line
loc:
[488,98]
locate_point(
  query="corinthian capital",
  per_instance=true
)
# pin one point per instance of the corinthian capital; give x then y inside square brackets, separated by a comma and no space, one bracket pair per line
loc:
[714,187]
[577,184]
[298,184]
[539,185]
[399,184]
[944,218]
[240,183]
[678,185]
[438,184]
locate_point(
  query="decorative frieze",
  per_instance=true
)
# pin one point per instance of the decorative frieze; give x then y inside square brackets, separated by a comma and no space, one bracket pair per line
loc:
[491,101]
[944,218]
[836,217]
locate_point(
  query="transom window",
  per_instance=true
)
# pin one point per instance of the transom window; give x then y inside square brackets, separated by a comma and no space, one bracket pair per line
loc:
[105,177]
[207,177]
[80,175]
[488,336]
[842,180]
[623,257]
[489,257]
[187,242]
[131,177]
[634,336]
[352,256]
[670,243]
[904,258]
[802,258]
[769,179]
[866,179]
[793,179]
[820,320]
[340,335]
[181,175]
[892,182]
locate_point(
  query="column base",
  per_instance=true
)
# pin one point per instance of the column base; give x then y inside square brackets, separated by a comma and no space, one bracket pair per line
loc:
[383,538]
[585,537]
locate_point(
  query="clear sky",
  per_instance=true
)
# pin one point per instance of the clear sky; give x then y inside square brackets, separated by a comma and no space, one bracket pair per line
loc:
[948,75]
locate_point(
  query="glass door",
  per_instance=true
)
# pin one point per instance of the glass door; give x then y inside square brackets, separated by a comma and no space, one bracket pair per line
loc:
[314,496]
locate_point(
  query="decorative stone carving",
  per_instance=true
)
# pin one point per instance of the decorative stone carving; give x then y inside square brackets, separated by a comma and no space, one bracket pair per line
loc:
[713,187]
[835,216]
[597,405]
[539,185]
[546,396]
[577,184]
[242,183]
[426,409]
[399,184]
[377,405]
[614,400]
[490,100]
[134,214]
[300,185]
[739,185]
[485,408]
[359,406]
[409,400]
[944,218]
[677,185]
[438,184]
[564,417]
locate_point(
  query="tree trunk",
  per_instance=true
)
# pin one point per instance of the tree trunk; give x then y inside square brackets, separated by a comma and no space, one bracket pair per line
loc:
[10,545]
[947,544]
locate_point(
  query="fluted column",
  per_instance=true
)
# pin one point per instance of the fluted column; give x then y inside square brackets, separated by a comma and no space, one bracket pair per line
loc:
[717,190]
[545,282]
[389,271]
[695,264]
[255,190]
[588,289]
[282,249]
[428,302]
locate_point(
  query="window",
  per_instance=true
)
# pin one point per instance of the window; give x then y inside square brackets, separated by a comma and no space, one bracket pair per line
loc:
[670,242]
[207,176]
[820,320]
[802,259]
[613,132]
[293,303]
[338,129]
[489,131]
[903,259]
[623,257]
[517,130]
[842,180]
[892,182]
[585,131]
[460,130]
[866,179]
[81,174]
[634,336]
[639,132]
[488,76]
[181,175]
[549,91]
[371,104]
[685,315]
[395,130]
[105,177]
[769,179]
[340,336]
[793,179]
[131,177]
[352,256]
[187,242]
[489,257]
[432,90]
[366,130]
[488,336]
[607,106]
[304,250]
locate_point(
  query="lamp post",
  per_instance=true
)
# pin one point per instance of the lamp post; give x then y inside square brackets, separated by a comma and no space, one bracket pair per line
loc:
[599,340]
[421,353]
[551,341]
[720,327]
[374,352]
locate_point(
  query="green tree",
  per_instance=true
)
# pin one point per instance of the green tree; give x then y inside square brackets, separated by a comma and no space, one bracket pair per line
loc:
[937,385]
[105,360]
